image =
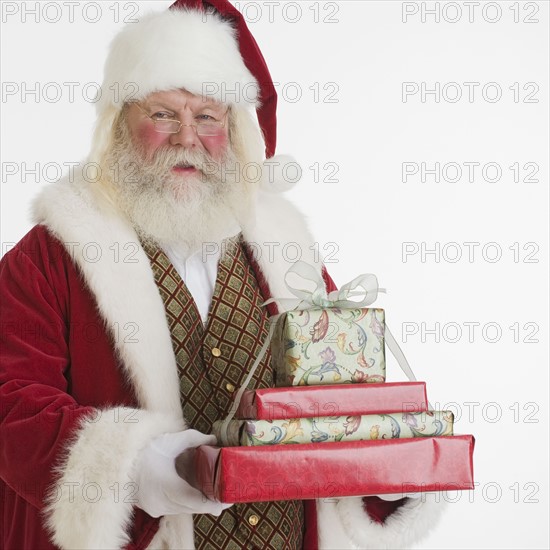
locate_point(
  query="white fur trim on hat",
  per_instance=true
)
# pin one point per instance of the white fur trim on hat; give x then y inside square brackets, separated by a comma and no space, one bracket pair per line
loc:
[280,173]
[177,49]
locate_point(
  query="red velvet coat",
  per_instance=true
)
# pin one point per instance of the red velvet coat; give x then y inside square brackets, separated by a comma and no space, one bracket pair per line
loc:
[88,378]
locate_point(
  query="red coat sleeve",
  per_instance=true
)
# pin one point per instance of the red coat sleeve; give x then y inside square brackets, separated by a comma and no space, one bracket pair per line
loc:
[37,415]
[69,424]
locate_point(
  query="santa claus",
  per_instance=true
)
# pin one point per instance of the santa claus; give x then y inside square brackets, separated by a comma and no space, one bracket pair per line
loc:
[133,310]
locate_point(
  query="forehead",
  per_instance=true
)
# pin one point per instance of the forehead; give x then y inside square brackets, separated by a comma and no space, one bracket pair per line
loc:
[180,99]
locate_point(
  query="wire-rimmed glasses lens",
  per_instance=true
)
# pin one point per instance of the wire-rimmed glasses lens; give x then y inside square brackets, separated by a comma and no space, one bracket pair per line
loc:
[173,126]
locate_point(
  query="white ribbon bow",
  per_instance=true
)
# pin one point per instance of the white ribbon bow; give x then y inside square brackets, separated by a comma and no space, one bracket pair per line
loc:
[306,299]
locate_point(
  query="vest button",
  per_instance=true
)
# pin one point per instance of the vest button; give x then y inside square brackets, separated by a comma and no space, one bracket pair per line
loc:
[216,352]
[253,519]
[230,387]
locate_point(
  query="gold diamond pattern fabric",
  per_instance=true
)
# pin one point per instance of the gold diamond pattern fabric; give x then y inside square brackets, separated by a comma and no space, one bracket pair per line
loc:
[212,363]
[187,333]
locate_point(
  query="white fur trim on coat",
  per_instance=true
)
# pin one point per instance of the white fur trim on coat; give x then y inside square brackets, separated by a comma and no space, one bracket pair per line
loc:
[123,285]
[91,505]
[402,529]
[278,237]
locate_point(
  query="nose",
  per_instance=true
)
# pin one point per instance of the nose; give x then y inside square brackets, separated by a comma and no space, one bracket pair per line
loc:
[186,137]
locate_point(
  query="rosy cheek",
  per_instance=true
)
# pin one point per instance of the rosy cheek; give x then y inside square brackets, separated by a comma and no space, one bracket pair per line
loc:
[150,139]
[215,145]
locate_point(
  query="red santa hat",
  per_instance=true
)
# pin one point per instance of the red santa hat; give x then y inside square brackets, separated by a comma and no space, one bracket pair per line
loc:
[206,48]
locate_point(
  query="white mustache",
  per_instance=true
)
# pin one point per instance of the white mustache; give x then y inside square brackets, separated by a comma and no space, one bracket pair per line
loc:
[167,158]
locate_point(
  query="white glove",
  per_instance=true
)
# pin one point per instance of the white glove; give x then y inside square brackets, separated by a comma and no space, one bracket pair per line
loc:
[161,491]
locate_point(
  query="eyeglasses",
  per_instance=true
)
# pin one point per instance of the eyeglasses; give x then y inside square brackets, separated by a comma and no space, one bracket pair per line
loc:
[173,126]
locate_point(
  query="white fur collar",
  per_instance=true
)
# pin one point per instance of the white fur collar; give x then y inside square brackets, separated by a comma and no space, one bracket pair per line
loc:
[108,253]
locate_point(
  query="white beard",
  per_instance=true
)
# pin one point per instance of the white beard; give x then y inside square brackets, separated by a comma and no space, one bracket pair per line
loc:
[187,212]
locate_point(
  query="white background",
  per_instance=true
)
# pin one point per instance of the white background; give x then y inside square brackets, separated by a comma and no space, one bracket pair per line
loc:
[365,50]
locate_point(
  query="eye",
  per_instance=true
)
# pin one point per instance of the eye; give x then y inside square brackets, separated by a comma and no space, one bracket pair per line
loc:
[162,115]
[206,118]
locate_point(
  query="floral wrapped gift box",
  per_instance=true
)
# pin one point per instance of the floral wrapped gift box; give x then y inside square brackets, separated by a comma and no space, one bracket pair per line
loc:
[329,346]
[251,433]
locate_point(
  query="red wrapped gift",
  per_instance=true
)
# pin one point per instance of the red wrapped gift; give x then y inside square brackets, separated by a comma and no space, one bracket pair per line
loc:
[337,400]
[355,468]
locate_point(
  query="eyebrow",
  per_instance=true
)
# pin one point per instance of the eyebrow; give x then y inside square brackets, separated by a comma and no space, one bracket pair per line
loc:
[158,104]
[213,106]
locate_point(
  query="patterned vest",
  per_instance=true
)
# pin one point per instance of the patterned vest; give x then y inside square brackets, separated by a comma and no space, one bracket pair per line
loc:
[212,363]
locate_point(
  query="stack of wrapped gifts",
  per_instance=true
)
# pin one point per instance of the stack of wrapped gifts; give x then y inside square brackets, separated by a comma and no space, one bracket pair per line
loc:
[333,426]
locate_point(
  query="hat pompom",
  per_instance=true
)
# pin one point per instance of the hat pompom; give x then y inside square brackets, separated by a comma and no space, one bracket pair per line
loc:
[280,173]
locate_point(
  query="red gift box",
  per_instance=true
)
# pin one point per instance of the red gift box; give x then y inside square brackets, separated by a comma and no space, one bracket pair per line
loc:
[355,468]
[337,400]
